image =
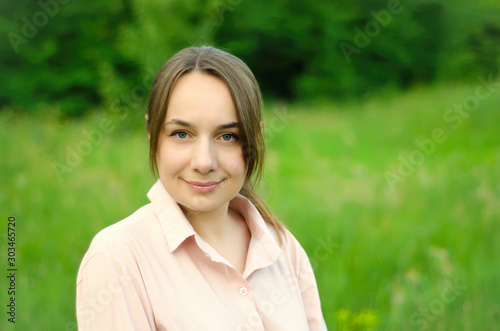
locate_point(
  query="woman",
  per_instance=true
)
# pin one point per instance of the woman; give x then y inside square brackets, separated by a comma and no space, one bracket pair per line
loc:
[206,253]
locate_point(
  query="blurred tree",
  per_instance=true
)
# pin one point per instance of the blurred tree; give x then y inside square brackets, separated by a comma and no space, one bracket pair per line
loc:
[341,49]
[54,51]
[156,30]
[80,55]
[276,39]
[472,44]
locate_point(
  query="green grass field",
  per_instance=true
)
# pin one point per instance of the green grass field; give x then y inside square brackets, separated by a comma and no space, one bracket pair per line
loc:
[401,237]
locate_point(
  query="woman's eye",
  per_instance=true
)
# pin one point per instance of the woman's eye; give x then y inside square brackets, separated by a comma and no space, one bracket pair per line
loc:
[229,136]
[180,134]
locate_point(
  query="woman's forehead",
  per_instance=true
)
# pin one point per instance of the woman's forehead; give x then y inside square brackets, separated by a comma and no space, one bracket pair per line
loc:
[201,98]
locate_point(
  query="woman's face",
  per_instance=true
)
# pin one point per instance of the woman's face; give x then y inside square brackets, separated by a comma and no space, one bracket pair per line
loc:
[200,158]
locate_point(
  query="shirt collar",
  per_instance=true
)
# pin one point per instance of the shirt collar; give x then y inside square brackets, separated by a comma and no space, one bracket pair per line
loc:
[263,249]
[175,225]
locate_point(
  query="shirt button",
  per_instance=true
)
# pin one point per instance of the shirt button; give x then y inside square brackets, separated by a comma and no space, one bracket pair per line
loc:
[243,290]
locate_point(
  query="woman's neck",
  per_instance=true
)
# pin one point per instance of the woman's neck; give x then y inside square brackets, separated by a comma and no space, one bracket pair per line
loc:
[226,231]
[211,225]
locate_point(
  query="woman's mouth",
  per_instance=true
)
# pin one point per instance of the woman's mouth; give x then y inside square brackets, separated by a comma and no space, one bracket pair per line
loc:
[202,187]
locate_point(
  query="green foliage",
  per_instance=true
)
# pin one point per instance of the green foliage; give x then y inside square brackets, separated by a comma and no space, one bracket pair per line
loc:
[54,53]
[78,56]
[83,55]
[365,320]
[156,31]
[326,49]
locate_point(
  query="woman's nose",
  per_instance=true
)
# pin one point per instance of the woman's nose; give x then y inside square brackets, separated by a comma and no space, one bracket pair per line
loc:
[204,158]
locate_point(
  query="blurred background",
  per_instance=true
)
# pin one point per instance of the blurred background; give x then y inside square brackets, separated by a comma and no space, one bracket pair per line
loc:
[382,125]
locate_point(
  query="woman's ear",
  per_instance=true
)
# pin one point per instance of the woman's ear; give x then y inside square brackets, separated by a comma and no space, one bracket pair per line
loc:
[147,118]
[261,125]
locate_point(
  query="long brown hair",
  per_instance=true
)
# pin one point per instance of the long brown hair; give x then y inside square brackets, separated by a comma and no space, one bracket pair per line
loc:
[247,99]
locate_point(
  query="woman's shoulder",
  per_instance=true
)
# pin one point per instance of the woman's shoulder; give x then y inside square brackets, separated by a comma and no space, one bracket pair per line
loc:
[289,243]
[293,245]
[124,235]
[293,250]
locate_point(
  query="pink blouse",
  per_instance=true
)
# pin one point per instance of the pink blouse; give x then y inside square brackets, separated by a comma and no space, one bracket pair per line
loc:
[151,271]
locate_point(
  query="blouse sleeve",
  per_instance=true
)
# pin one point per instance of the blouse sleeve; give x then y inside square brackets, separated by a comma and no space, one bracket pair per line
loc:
[111,294]
[308,289]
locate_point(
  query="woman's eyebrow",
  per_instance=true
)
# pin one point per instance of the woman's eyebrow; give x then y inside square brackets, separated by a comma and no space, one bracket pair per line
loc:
[229,125]
[179,122]
[220,127]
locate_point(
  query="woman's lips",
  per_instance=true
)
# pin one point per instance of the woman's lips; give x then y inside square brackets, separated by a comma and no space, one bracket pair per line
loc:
[203,187]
